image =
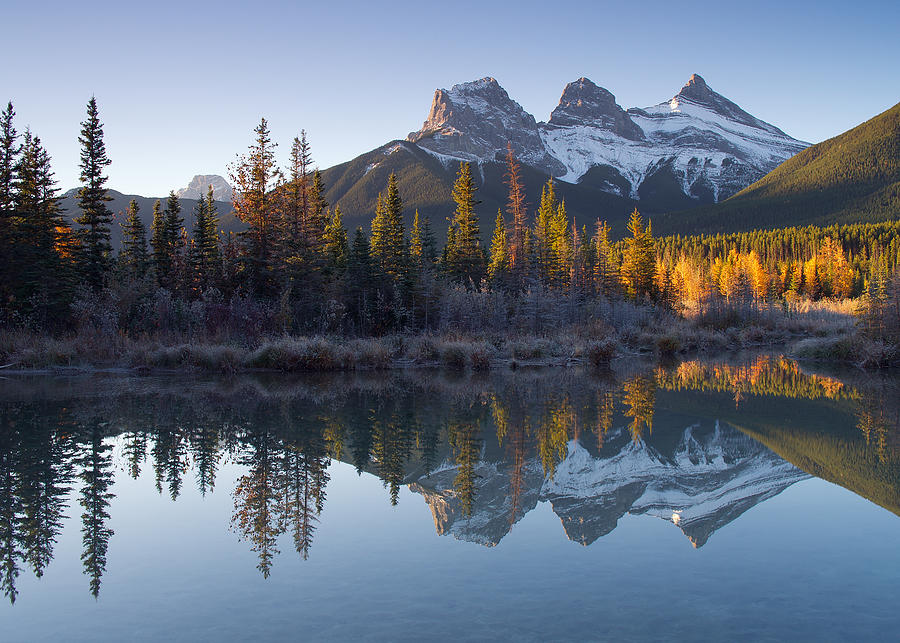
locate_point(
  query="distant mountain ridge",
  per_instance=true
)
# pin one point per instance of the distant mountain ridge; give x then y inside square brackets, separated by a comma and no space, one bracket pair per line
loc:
[853,177]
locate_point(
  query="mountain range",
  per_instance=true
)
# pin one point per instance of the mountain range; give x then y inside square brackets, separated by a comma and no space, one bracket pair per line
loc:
[696,148]
[695,163]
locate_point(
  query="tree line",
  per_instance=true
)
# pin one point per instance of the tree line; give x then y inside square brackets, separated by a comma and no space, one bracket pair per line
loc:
[313,275]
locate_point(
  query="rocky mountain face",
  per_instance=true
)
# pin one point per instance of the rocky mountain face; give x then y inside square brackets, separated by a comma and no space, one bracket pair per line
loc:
[706,481]
[200,184]
[698,143]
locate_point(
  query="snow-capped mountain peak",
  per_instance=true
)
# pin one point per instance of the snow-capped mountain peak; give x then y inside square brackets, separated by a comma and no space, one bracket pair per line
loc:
[584,103]
[474,121]
[699,140]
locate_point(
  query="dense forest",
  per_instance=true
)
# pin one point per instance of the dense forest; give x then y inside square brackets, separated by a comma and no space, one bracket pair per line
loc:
[297,269]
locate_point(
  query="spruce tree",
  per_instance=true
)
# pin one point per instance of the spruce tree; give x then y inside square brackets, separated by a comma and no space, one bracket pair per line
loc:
[498,262]
[466,258]
[542,239]
[638,260]
[360,279]
[205,247]
[38,231]
[388,236]
[604,268]
[134,257]
[92,197]
[336,245]
[162,260]
[173,236]
[9,151]
[8,154]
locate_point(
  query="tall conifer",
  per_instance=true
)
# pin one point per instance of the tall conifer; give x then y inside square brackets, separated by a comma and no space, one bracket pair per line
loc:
[92,197]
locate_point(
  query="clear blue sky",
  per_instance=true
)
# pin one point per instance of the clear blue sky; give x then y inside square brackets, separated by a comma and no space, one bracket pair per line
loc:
[182,84]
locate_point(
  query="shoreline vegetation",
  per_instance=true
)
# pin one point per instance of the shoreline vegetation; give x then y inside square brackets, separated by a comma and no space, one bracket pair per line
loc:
[823,331]
[295,291]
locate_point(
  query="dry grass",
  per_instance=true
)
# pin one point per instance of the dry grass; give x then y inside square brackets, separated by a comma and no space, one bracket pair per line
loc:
[828,328]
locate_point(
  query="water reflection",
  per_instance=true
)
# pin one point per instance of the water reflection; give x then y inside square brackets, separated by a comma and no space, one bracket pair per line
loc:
[697,445]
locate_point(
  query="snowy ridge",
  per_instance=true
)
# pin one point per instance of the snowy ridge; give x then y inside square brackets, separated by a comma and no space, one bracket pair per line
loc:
[707,144]
[705,484]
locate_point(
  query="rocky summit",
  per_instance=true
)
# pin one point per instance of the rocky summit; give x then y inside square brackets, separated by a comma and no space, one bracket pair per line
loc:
[698,142]
[199,186]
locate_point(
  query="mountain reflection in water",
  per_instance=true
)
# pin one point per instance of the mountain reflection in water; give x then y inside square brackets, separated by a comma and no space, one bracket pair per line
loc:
[697,445]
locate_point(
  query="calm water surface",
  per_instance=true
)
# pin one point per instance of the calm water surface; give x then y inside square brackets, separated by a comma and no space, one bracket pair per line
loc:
[746,500]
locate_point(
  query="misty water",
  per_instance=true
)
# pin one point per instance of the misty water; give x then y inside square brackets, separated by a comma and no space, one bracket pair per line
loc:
[749,499]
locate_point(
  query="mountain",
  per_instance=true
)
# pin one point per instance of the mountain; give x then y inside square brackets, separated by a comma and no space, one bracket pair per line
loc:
[853,177]
[698,147]
[200,184]
[119,203]
[700,483]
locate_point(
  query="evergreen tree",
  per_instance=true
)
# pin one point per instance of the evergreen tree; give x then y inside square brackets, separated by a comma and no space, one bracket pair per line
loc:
[388,240]
[254,176]
[638,261]
[162,258]
[422,246]
[336,245]
[205,248]
[465,257]
[542,239]
[40,279]
[173,235]
[499,258]
[134,256]
[8,153]
[604,268]
[92,197]
[359,279]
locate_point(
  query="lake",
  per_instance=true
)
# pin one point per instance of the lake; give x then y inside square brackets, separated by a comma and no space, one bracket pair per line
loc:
[743,499]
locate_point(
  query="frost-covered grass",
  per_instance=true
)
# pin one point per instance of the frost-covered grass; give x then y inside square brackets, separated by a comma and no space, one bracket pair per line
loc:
[612,330]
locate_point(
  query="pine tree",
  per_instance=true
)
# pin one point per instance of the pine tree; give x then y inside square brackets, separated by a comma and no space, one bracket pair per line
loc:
[465,256]
[499,258]
[134,256]
[92,197]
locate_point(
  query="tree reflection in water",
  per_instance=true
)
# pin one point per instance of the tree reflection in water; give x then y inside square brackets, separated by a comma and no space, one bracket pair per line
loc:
[482,451]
